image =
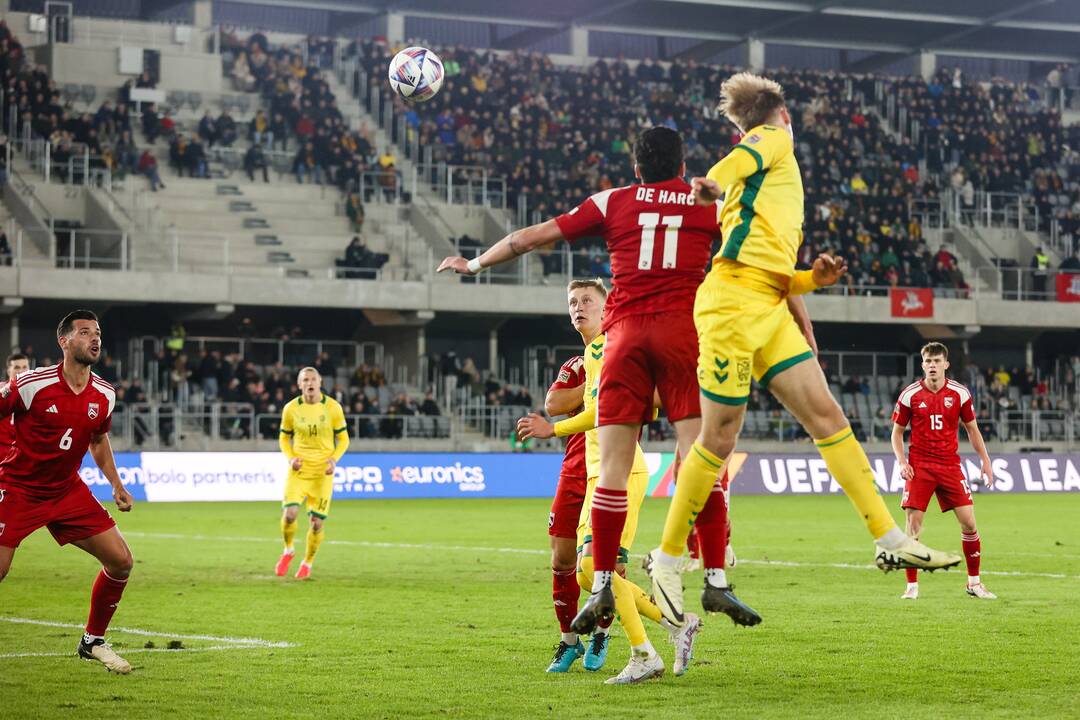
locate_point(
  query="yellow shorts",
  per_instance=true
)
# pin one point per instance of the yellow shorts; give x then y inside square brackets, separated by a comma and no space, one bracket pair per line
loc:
[635,495]
[314,490]
[744,330]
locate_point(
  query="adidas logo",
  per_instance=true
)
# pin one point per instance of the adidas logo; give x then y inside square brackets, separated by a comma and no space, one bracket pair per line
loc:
[52,409]
[922,405]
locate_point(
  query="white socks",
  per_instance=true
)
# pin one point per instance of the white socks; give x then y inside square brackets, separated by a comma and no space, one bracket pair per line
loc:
[716,577]
[570,639]
[893,539]
[600,579]
[666,560]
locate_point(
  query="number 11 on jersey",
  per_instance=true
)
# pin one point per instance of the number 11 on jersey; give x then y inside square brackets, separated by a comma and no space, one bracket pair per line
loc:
[649,222]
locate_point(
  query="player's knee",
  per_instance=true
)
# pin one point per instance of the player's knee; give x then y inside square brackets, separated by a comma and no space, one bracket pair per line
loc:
[720,439]
[561,561]
[121,566]
[316,523]
[968,528]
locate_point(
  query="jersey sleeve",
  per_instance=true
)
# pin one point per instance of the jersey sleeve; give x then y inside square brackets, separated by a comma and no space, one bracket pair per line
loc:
[902,412]
[341,431]
[586,220]
[10,398]
[967,411]
[286,434]
[571,374]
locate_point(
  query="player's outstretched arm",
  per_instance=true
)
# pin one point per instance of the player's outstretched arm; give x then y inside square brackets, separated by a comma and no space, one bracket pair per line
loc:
[101,451]
[979,445]
[513,245]
[898,450]
[562,401]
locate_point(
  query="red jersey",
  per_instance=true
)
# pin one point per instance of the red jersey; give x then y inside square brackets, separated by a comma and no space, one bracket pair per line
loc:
[658,240]
[7,435]
[572,375]
[53,428]
[935,419]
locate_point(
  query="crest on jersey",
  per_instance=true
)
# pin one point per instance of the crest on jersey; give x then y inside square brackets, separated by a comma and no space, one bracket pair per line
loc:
[753,139]
[564,375]
[1,495]
[92,410]
[2,526]
[948,402]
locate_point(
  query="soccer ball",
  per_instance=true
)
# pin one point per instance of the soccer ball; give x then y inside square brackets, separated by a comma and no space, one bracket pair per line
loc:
[416,74]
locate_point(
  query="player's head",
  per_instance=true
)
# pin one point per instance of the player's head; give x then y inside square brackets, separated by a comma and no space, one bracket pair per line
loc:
[310,383]
[658,155]
[585,299]
[750,100]
[17,363]
[79,336]
[935,360]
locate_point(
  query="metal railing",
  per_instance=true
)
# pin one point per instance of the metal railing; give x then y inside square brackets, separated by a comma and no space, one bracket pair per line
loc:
[365,427]
[462,184]
[288,352]
[992,209]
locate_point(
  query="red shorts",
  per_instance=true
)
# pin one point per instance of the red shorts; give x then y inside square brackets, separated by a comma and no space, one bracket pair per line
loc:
[643,352]
[74,516]
[945,481]
[566,507]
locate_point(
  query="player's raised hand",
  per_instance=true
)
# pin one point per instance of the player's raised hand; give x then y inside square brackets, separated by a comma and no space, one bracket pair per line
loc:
[295,463]
[827,270]
[123,499]
[906,471]
[457,263]
[706,191]
[534,425]
[987,473]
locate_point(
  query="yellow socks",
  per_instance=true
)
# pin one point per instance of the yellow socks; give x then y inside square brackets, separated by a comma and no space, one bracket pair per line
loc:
[288,532]
[847,462]
[626,608]
[314,540]
[697,475]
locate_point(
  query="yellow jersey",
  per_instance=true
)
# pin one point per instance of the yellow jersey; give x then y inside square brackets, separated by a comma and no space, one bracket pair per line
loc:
[594,362]
[762,215]
[313,432]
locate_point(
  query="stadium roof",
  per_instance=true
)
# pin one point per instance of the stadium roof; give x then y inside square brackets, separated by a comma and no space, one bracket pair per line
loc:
[1037,30]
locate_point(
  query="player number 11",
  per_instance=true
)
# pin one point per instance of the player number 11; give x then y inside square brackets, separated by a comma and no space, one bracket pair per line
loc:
[649,222]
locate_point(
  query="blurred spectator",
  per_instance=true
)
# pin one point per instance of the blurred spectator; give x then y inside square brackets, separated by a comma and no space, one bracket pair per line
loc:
[255,159]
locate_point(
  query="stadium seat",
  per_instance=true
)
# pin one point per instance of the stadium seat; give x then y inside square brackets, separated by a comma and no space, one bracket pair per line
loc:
[88,94]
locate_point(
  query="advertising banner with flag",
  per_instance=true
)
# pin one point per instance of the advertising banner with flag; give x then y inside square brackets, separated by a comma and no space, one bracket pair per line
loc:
[1068,287]
[912,302]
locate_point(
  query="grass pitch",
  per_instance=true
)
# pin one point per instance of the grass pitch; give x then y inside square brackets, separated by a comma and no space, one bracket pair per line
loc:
[442,609]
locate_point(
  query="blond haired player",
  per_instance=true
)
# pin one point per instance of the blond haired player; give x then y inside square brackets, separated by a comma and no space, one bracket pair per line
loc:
[586,300]
[313,438]
[745,330]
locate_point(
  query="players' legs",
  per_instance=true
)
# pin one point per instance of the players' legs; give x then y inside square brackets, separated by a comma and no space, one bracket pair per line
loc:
[609,502]
[314,540]
[803,390]
[564,588]
[288,525]
[914,530]
[6,556]
[113,553]
[969,538]
[701,465]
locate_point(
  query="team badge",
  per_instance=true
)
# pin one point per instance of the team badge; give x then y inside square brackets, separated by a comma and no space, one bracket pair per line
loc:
[753,139]
[564,375]
[948,402]
[92,410]
[1,495]
[743,369]
[2,526]
[551,520]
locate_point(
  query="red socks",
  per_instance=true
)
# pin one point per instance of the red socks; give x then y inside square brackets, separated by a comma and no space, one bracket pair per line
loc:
[912,574]
[712,527]
[608,518]
[972,552]
[564,592]
[103,601]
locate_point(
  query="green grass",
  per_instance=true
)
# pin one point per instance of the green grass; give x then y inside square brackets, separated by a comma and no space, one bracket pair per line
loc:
[440,628]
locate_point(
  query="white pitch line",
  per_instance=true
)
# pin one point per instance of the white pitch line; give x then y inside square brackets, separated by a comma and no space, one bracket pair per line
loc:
[129,651]
[536,551]
[235,642]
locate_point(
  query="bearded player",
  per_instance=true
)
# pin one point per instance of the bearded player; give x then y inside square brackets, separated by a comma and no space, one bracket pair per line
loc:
[565,397]
[61,411]
[585,300]
[313,438]
[659,242]
[17,363]
[745,330]
[935,406]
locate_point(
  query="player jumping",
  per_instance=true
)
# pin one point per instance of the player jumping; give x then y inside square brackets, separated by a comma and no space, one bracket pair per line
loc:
[564,397]
[61,411]
[17,363]
[745,330]
[935,406]
[313,438]
[659,242]
[586,299]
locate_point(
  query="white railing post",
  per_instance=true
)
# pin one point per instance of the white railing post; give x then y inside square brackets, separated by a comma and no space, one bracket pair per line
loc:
[176,250]
[124,251]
